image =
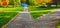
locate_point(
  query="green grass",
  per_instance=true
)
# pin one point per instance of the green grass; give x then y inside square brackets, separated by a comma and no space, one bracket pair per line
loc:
[6,17]
[38,14]
[6,14]
[11,9]
[37,11]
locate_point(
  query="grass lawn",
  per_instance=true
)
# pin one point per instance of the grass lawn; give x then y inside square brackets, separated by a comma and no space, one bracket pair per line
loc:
[6,14]
[11,9]
[37,11]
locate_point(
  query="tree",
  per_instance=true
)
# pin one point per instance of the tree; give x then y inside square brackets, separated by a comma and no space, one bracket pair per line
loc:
[17,2]
[32,2]
[27,2]
[55,2]
[11,2]
[22,1]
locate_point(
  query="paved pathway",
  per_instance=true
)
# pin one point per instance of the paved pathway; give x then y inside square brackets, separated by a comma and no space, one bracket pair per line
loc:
[24,20]
[48,21]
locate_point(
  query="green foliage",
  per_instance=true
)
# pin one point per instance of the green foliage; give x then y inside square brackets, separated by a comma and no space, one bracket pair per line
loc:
[59,22]
[16,2]
[22,1]
[11,2]
[32,2]
[27,2]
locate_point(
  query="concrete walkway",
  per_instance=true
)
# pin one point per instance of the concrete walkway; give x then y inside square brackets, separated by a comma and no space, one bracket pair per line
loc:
[24,20]
[48,21]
